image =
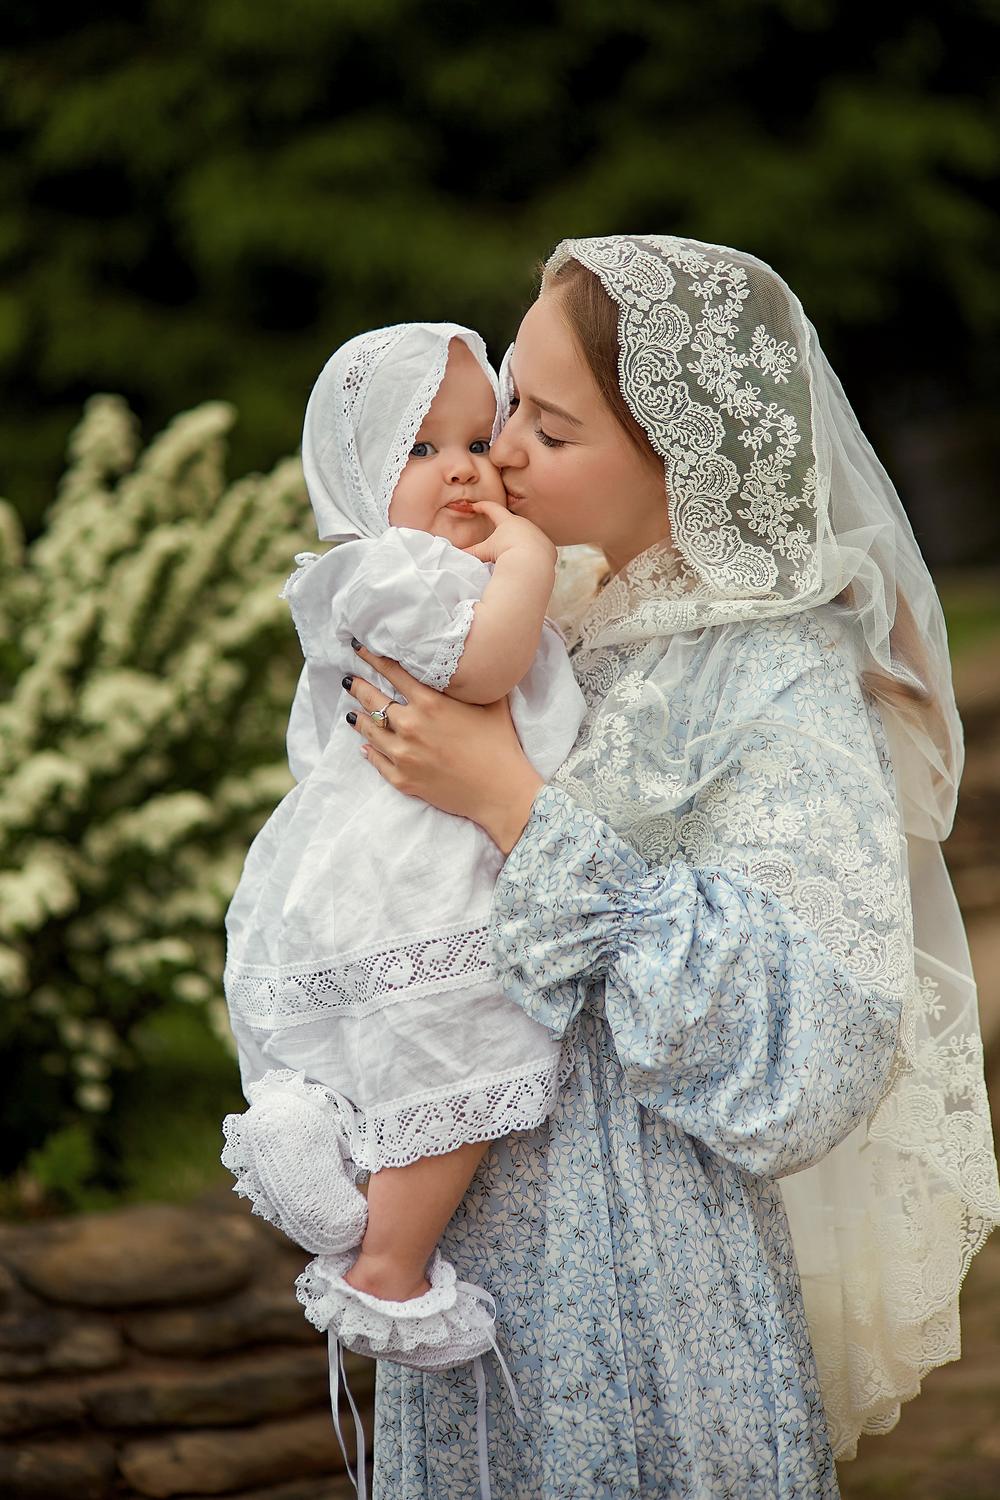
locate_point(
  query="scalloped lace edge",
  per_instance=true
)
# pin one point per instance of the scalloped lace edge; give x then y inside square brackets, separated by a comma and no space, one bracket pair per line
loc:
[449,653]
[399,1136]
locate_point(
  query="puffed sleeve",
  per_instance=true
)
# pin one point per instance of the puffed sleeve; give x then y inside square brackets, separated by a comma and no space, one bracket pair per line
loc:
[412,599]
[740,1015]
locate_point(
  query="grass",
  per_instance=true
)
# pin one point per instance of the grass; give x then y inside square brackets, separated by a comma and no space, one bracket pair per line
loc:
[161,1143]
[170,1134]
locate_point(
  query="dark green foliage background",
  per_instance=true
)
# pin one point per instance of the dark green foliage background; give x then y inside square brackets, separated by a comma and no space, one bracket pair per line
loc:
[201,198]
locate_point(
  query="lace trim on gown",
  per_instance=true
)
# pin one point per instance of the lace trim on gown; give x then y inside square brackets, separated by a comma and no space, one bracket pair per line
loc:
[449,653]
[358,982]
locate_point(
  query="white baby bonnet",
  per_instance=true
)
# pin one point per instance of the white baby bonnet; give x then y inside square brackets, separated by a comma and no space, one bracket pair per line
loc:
[362,417]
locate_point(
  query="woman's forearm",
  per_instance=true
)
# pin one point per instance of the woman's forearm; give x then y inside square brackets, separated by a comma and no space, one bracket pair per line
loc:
[506,627]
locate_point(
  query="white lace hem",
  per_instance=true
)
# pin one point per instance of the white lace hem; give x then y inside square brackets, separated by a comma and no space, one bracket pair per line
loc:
[432,1124]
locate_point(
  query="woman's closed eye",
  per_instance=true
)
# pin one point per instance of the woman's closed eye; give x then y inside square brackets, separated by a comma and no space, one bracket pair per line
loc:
[540,433]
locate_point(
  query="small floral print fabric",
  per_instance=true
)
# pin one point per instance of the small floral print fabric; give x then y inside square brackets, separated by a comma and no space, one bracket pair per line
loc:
[636,1244]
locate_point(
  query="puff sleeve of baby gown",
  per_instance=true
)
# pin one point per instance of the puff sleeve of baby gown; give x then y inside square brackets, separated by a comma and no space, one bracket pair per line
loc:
[406,595]
[411,597]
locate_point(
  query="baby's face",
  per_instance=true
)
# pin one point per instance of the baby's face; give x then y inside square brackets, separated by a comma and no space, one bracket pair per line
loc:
[449,463]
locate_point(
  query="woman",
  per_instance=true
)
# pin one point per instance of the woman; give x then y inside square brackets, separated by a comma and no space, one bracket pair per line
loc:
[712,901]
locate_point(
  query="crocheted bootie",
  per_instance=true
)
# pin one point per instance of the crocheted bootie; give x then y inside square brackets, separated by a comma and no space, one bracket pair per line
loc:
[290,1157]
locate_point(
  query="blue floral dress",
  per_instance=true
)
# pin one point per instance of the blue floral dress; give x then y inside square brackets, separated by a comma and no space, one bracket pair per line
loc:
[636,1243]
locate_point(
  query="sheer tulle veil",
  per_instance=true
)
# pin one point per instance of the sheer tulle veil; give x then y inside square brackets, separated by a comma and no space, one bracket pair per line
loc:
[778,505]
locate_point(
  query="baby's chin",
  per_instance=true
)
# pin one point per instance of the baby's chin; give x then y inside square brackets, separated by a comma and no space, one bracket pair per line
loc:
[463,531]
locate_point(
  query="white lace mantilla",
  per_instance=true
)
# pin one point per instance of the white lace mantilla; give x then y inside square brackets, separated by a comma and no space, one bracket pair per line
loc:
[725,402]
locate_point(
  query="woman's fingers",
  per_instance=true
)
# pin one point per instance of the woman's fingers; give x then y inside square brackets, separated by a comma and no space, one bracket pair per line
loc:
[394,673]
[370,698]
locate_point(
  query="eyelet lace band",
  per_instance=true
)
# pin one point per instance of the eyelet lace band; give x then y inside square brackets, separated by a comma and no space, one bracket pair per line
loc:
[452,1118]
[442,669]
[447,958]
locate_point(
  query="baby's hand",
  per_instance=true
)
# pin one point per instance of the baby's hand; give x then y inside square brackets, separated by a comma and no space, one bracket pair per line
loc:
[511,531]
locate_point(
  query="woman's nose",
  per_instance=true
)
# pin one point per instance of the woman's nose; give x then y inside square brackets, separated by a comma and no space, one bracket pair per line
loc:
[505,451]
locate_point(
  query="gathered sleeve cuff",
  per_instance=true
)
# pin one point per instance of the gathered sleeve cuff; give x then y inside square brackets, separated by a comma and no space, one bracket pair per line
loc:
[730,1016]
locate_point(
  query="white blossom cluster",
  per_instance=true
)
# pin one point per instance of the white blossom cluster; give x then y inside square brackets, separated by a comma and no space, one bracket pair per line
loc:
[146,668]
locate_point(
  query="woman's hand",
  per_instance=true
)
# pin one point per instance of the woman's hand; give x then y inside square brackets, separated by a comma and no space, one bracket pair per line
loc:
[464,758]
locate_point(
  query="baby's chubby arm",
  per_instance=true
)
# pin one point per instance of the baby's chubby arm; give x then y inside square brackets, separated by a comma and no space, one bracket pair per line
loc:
[507,622]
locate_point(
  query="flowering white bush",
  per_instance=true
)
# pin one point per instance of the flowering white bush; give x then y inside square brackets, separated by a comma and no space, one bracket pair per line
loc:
[147,664]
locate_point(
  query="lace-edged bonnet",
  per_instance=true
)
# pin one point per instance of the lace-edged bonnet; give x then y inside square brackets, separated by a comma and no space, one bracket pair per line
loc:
[362,416]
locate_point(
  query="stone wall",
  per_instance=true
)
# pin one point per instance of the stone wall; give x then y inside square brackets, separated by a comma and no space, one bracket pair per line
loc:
[160,1352]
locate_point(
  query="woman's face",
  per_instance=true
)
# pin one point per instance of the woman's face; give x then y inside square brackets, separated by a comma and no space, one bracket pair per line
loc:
[566,462]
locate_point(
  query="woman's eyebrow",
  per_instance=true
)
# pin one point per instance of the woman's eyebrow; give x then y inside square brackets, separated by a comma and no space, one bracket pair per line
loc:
[556,411]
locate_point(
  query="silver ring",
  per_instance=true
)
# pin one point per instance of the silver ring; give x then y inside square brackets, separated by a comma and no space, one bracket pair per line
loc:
[381,716]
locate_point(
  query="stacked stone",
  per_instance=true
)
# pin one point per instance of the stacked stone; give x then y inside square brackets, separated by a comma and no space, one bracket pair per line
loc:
[158,1351]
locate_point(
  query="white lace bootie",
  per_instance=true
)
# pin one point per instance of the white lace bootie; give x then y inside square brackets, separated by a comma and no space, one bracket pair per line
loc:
[450,1325]
[289,1154]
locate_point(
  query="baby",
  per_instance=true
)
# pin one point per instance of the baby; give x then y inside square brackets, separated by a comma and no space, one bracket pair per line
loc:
[373,1036]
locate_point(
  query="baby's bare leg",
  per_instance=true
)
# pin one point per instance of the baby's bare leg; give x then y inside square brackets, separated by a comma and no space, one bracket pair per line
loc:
[408,1211]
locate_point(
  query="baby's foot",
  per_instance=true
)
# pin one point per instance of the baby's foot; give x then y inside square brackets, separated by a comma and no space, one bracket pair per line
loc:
[385,1279]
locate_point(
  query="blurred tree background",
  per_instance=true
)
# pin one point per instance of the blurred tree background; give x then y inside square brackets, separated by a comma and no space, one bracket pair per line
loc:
[202,198]
[199,199]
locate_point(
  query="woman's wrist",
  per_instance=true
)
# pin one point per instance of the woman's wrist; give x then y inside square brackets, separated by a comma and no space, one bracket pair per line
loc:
[506,821]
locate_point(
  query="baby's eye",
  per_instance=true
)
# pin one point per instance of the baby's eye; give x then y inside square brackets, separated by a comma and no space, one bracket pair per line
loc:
[481,445]
[421,450]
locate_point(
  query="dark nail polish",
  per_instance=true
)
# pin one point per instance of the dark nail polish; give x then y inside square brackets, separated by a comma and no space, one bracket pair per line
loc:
[347,682]
[356,644]
[352,718]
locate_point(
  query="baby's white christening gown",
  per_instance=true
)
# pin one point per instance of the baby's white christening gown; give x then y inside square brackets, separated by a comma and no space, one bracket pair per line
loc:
[370,1025]
[358,933]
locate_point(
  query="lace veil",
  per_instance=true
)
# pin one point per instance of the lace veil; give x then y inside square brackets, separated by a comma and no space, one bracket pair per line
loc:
[778,506]
[362,416]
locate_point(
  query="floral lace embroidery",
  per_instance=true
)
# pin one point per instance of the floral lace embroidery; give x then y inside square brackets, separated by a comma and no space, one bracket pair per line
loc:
[742,496]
